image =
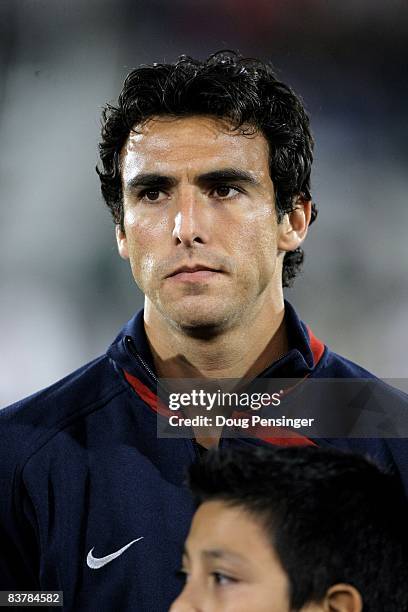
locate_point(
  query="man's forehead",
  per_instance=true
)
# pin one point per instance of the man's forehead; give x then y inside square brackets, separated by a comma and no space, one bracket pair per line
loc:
[170,139]
[207,124]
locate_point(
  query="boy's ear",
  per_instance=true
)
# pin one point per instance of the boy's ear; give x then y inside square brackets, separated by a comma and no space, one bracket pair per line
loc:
[292,229]
[122,242]
[339,598]
[343,598]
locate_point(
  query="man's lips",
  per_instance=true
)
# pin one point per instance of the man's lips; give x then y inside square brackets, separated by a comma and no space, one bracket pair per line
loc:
[193,273]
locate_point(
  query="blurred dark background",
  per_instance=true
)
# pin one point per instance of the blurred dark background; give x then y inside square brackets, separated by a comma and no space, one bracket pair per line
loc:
[64,292]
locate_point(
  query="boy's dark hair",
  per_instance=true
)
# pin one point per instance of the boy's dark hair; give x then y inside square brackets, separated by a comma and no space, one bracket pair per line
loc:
[246,92]
[331,517]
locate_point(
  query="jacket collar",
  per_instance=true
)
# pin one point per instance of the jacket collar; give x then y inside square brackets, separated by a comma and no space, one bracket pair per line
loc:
[130,350]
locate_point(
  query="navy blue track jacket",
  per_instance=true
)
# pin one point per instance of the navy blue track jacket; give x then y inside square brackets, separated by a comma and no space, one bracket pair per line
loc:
[83,476]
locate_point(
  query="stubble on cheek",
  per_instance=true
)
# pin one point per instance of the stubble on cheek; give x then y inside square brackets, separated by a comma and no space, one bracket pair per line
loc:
[146,267]
[142,260]
[258,245]
[142,265]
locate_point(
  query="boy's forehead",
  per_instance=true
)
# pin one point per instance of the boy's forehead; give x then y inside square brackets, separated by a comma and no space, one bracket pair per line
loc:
[230,530]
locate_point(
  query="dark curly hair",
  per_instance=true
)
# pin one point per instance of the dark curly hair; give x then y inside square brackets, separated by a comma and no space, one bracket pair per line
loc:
[243,90]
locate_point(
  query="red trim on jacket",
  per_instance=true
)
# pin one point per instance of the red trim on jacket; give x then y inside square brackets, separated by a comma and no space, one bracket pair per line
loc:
[148,396]
[294,440]
[317,346]
[151,399]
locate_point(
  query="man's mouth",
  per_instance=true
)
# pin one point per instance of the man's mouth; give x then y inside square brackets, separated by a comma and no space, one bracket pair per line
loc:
[193,273]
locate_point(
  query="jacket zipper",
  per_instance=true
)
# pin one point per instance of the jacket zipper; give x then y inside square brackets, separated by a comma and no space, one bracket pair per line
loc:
[135,354]
[132,349]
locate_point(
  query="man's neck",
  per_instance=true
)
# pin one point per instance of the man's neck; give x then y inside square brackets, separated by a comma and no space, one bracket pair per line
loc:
[244,350]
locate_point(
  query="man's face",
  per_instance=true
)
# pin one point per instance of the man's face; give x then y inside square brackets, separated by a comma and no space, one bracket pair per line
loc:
[230,565]
[197,194]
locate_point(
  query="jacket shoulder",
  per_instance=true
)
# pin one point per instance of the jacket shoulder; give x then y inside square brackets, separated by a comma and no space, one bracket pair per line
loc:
[336,366]
[28,423]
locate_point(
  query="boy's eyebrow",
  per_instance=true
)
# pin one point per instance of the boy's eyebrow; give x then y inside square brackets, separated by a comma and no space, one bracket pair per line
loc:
[152,180]
[219,553]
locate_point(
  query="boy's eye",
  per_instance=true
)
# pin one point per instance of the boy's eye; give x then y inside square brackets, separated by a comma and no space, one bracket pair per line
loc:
[183,574]
[222,579]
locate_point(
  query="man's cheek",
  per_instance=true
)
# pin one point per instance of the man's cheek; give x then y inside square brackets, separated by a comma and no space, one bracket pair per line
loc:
[147,265]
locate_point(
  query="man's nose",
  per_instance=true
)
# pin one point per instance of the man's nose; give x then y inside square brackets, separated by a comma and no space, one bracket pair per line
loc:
[191,217]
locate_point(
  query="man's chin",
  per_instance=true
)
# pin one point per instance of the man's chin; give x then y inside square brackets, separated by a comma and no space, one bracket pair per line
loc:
[200,320]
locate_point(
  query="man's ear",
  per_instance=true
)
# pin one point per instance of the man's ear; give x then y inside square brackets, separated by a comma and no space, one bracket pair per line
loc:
[293,228]
[122,242]
[343,598]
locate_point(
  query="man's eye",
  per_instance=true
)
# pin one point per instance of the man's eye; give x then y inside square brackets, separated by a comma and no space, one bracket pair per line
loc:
[151,195]
[224,191]
[222,579]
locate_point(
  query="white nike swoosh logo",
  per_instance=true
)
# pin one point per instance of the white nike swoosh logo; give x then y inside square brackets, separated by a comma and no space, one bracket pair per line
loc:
[95,563]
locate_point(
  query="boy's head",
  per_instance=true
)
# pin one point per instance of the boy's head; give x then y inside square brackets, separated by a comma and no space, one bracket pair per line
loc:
[295,529]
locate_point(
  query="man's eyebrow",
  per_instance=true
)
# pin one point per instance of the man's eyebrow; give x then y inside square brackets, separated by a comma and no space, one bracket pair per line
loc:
[150,180]
[153,180]
[227,175]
